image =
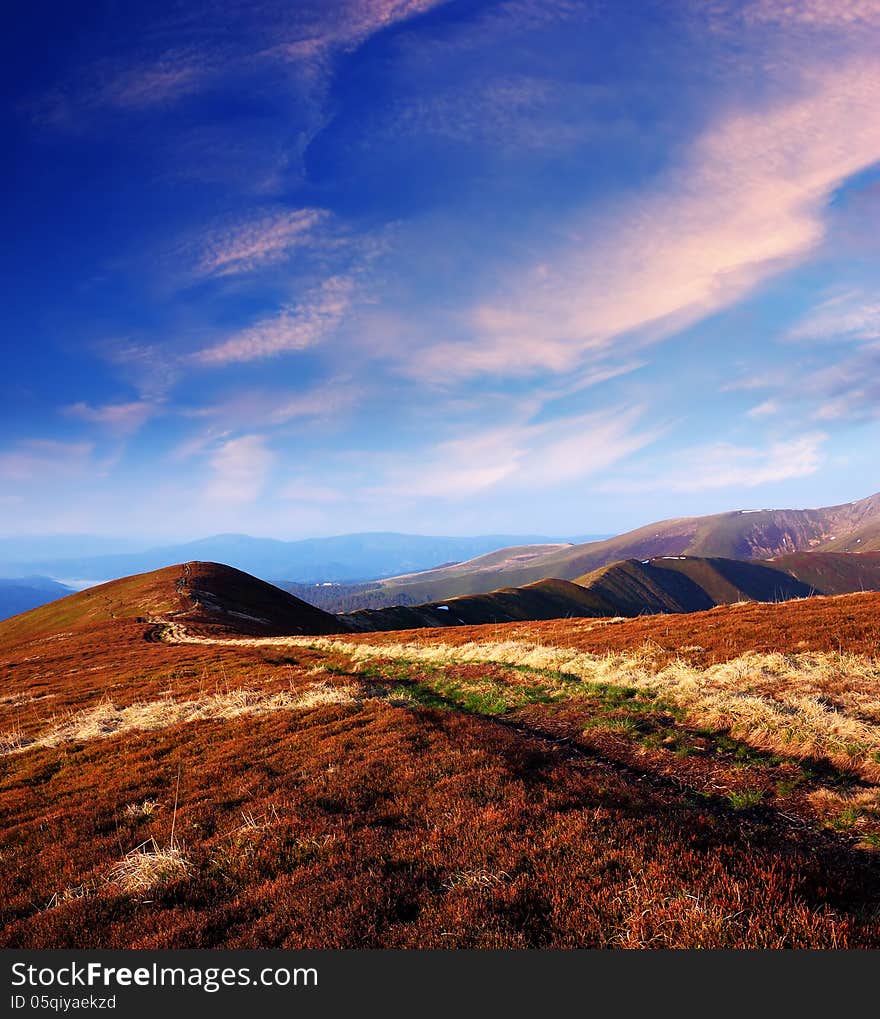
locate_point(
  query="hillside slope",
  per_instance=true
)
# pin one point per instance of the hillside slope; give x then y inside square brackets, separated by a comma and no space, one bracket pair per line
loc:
[629,588]
[563,784]
[744,534]
[833,572]
[545,599]
[201,594]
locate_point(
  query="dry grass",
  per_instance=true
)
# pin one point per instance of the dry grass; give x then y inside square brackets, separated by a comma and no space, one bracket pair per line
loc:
[107,719]
[150,866]
[476,880]
[136,811]
[775,702]
[440,824]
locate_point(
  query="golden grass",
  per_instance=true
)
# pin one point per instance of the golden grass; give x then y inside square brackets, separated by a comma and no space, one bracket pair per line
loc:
[107,719]
[146,808]
[149,866]
[775,702]
[475,880]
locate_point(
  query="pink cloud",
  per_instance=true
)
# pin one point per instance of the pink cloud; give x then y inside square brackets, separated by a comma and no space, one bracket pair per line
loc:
[292,329]
[748,202]
[118,417]
[260,241]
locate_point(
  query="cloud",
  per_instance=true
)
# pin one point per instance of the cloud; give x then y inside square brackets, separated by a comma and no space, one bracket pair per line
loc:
[312,38]
[292,329]
[724,465]
[239,470]
[150,369]
[227,44]
[748,202]
[165,80]
[820,13]
[146,83]
[849,316]
[837,377]
[507,113]
[120,418]
[257,242]
[42,460]
[261,408]
[765,409]
[522,456]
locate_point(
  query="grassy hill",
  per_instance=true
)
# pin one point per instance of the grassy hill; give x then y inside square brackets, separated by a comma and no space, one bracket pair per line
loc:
[203,594]
[707,780]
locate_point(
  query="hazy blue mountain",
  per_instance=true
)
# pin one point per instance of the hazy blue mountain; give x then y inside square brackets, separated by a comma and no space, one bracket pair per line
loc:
[21,594]
[347,557]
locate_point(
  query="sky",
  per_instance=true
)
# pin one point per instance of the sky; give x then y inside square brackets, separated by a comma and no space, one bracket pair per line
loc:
[509,266]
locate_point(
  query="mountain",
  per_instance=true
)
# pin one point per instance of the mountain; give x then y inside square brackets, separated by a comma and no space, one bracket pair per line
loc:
[545,599]
[632,587]
[24,593]
[347,557]
[743,534]
[201,595]
[833,572]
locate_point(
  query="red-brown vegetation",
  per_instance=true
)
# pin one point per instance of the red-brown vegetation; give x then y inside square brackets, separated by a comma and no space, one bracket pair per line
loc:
[456,805]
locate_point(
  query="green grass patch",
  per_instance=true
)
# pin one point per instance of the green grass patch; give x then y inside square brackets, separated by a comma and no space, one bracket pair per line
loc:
[745,799]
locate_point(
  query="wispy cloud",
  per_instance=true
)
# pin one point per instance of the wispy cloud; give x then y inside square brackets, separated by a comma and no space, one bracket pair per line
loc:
[748,202]
[292,329]
[227,43]
[520,456]
[510,113]
[821,13]
[725,465]
[150,369]
[142,85]
[38,460]
[120,418]
[850,316]
[263,408]
[259,241]
[239,470]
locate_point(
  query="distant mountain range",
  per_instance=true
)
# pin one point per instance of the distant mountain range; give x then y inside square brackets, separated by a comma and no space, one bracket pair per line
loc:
[347,557]
[25,593]
[211,595]
[400,570]
[744,534]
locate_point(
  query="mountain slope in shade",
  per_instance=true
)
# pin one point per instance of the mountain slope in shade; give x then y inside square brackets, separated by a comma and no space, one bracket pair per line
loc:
[689,584]
[629,588]
[744,534]
[26,593]
[202,595]
[545,599]
[833,572]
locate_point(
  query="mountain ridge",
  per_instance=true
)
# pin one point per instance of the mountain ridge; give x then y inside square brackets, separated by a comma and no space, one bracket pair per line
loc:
[738,534]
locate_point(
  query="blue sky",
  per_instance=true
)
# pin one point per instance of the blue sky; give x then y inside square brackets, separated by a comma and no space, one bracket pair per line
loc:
[542,266]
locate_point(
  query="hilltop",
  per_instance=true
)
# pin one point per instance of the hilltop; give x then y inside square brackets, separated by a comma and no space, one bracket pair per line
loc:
[201,594]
